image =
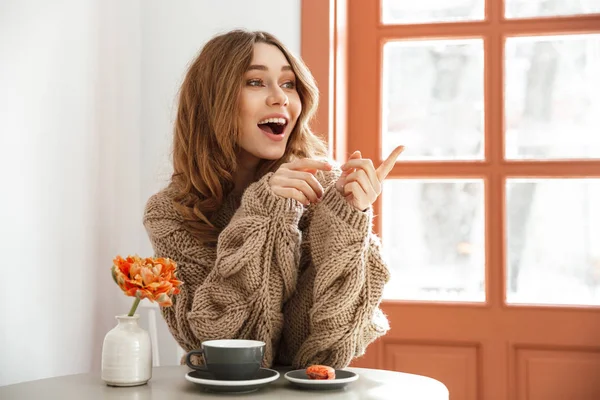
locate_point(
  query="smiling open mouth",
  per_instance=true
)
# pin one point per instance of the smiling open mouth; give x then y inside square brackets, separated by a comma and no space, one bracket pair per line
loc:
[273,125]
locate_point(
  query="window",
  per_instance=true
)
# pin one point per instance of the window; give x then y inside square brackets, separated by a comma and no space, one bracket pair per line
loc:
[498,105]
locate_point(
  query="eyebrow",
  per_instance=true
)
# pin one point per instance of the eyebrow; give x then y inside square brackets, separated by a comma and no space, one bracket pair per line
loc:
[264,68]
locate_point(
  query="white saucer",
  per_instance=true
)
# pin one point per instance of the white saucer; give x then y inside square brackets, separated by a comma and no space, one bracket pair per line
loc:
[263,377]
[300,379]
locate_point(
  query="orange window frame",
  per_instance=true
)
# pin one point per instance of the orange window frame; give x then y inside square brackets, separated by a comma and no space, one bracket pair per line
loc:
[324,47]
[349,120]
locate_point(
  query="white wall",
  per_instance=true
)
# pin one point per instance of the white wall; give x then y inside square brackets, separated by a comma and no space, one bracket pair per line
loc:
[62,132]
[87,90]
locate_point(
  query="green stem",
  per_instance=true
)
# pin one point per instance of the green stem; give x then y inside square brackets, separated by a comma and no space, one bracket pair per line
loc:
[134,307]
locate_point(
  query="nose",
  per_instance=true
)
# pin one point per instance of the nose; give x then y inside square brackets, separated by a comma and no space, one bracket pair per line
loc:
[277,97]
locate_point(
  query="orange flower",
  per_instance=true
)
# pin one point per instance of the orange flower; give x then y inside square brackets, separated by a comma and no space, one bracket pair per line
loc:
[146,278]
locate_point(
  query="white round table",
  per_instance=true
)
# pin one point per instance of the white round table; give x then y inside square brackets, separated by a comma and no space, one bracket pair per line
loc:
[170,383]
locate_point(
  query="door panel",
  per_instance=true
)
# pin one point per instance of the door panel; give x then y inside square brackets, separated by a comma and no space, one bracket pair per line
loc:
[455,363]
[545,373]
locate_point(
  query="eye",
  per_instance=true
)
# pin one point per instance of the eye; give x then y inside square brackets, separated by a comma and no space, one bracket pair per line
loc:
[255,82]
[289,85]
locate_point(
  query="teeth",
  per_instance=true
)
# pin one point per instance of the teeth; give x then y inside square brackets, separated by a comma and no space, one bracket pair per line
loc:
[280,121]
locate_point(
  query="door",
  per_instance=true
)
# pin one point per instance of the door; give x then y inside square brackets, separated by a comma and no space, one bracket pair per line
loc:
[490,221]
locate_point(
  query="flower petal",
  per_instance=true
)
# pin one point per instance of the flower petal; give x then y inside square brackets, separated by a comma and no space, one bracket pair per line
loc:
[164,300]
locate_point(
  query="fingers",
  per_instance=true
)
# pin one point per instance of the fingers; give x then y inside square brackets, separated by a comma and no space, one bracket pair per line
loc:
[355,156]
[299,185]
[309,185]
[303,182]
[386,166]
[308,164]
[353,190]
[291,193]
[360,182]
[365,165]
[339,185]
[370,187]
[359,190]
[357,196]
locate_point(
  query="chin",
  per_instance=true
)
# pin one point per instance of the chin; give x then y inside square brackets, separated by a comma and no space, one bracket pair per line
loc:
[272,151]
[272,156]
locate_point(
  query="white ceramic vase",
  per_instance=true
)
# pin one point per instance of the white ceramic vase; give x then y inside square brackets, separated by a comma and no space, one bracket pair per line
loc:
[126,354]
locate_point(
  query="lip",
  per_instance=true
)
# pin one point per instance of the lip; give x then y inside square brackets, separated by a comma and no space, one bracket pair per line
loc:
[273,137]
[287,119]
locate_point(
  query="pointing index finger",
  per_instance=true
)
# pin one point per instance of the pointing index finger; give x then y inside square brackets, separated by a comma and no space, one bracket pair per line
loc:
[384,169]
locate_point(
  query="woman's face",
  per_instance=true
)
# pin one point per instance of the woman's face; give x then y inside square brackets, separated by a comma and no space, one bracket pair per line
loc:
[269,106]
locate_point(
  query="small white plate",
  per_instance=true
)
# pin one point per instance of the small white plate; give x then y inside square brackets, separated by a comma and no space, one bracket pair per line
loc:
[208,382]
[300,379]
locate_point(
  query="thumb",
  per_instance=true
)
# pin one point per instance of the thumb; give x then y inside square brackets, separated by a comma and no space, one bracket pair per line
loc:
[342,179]
[354,156]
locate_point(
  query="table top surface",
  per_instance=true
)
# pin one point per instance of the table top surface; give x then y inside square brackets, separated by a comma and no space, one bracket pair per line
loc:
[170,383]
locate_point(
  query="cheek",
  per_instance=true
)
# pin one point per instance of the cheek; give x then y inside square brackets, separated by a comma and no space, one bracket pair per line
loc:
[246,109]
[296,104]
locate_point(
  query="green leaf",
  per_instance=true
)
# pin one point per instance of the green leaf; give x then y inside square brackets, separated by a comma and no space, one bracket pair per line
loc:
[114,275]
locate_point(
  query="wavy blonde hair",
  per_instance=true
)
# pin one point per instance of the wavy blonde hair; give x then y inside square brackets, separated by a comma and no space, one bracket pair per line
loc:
[206,137]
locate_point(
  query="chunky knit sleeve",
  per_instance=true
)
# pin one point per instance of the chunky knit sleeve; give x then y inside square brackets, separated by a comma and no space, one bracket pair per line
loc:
[349,276]
[236,289]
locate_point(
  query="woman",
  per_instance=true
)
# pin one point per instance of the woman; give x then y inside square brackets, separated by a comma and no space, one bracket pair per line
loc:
[272,241]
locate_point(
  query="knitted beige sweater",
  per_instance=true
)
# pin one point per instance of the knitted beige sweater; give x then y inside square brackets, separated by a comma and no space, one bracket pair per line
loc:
[305,280]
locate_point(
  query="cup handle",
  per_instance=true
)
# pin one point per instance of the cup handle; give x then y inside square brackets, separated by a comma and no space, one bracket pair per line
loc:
[189,362]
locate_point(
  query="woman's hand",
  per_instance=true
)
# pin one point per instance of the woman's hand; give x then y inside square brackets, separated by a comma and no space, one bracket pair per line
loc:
[296,180]
[360,182]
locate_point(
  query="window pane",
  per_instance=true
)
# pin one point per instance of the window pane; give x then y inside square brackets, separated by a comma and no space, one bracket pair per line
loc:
[414,12]
[553,241]
[552,100]
[433,234]
[433,99]
[547,8]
